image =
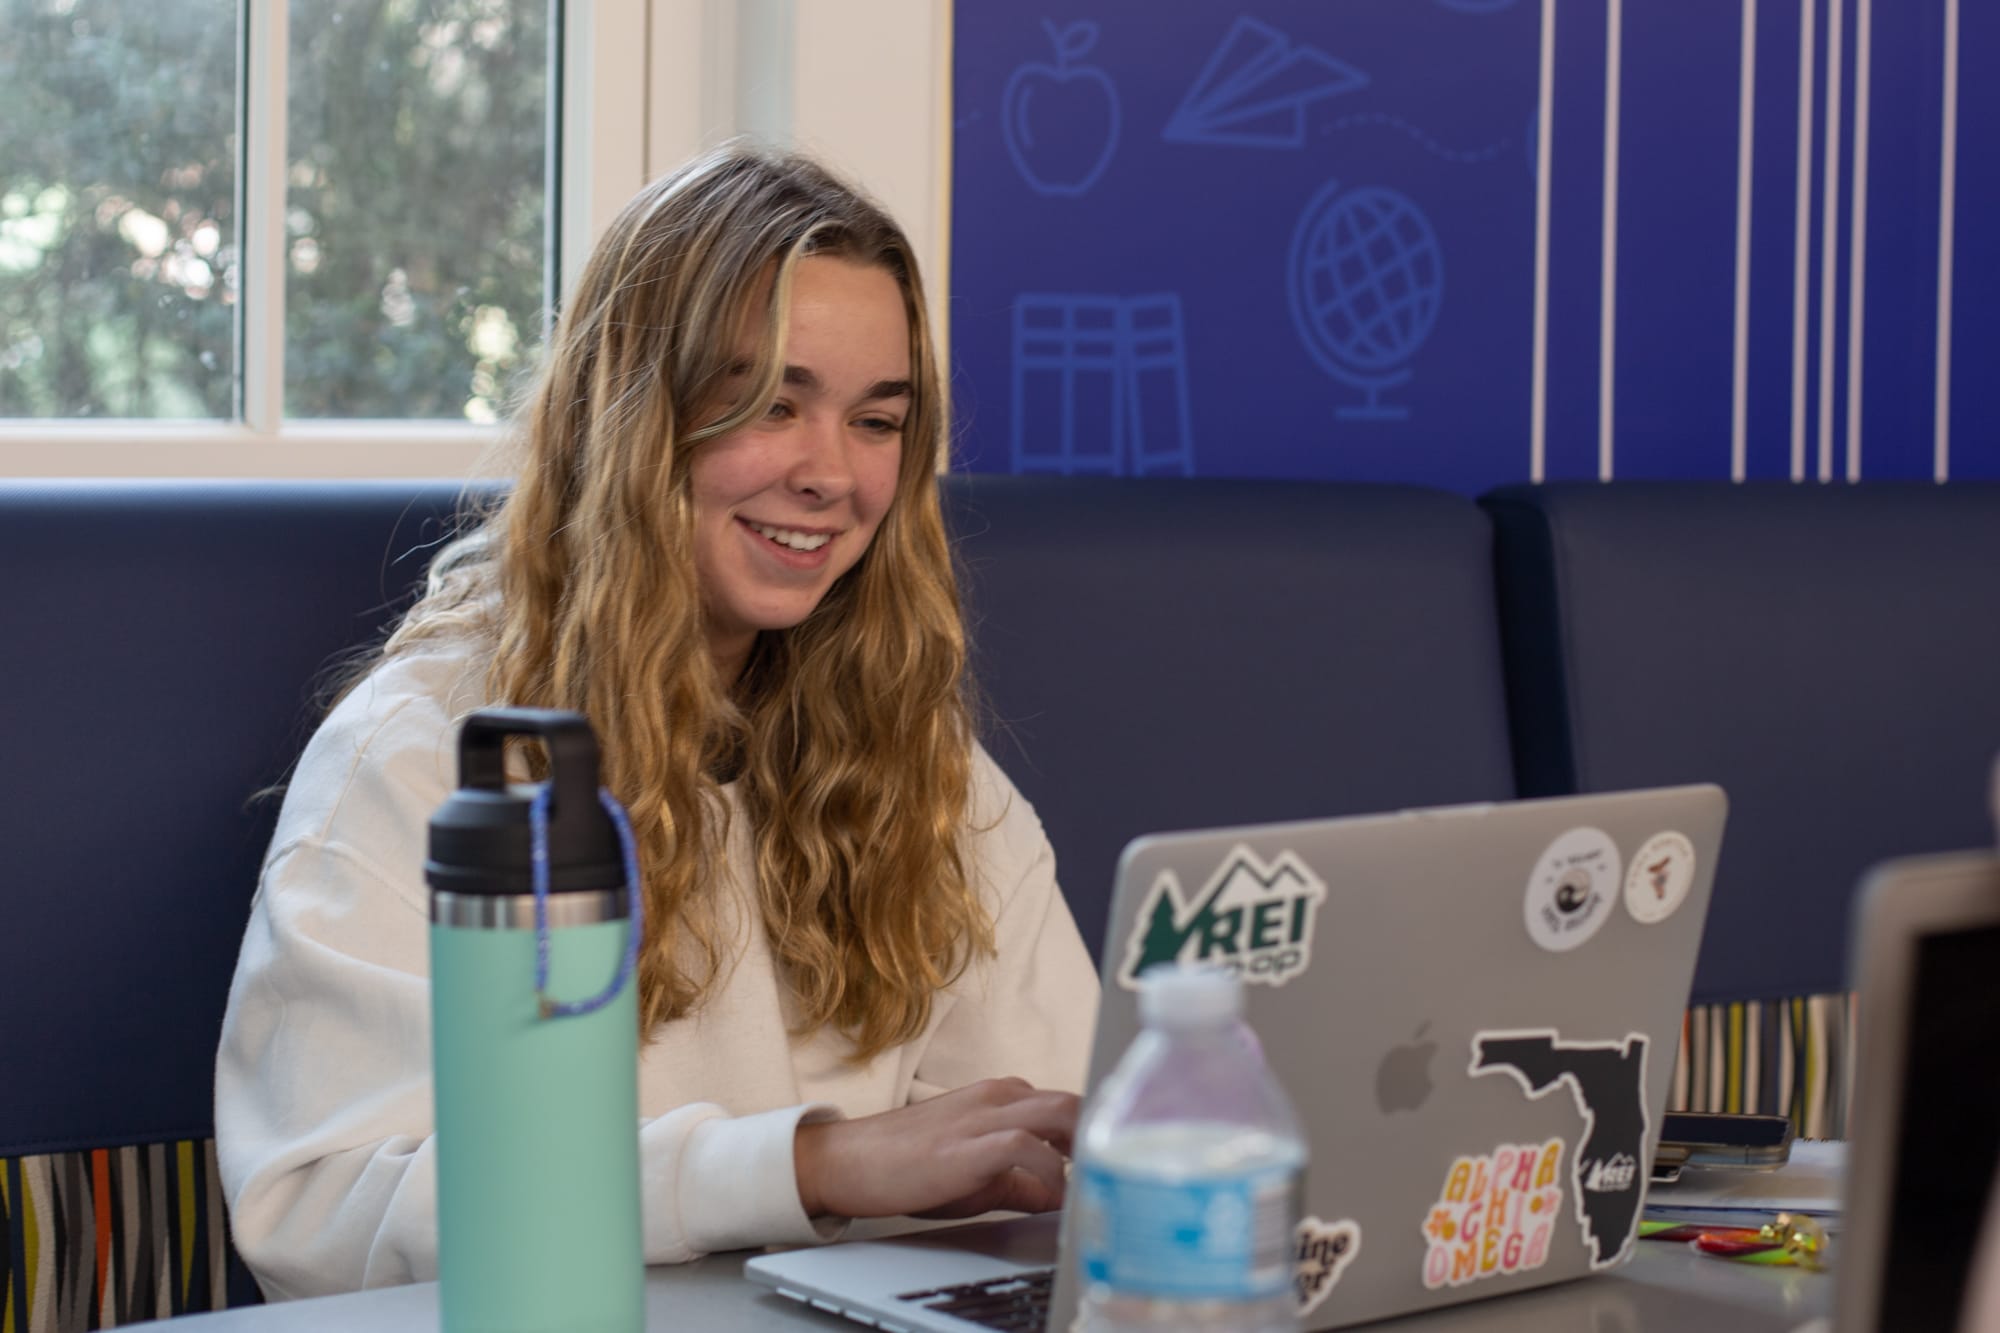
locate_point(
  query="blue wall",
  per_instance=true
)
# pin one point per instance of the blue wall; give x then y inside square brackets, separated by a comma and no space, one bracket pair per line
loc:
[1300,240]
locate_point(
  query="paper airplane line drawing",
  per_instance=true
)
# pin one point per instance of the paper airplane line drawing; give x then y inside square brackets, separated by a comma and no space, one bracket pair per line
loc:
[1255,89]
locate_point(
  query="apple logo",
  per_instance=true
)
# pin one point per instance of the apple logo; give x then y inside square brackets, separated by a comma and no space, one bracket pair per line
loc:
[1061,121]
[1403,1079]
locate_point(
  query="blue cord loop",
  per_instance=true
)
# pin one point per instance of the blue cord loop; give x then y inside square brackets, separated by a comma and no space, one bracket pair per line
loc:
[538,851]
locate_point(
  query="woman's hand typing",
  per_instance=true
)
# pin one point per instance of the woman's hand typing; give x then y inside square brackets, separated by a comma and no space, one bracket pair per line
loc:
[997,1144]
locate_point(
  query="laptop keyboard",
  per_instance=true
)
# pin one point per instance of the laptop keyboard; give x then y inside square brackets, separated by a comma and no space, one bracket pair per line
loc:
[1017,1302]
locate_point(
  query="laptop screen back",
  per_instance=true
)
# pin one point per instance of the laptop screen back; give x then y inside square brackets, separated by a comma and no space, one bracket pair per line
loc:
[1948,1147]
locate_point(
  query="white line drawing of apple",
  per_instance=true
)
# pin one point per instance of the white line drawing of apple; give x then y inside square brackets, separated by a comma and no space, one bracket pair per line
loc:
[1061,121]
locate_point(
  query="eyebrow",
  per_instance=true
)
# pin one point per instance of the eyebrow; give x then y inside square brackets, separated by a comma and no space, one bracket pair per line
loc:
[887,389]
[803,377]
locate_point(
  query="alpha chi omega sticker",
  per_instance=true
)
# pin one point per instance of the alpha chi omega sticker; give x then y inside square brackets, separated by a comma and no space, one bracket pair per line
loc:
[1572,889]
[1325,1251]
[1608,1082]
[1254,917]
[1494,1215]
[1658,880]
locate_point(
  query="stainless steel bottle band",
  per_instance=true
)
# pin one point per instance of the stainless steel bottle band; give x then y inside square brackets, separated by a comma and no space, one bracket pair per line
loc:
[516,911]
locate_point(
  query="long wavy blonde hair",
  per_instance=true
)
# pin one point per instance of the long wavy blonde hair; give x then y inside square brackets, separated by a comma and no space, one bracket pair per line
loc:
[848,735]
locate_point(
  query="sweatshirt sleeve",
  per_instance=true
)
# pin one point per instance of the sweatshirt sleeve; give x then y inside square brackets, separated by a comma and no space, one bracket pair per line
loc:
[324,1119]
[322,1092]
[1030,1010]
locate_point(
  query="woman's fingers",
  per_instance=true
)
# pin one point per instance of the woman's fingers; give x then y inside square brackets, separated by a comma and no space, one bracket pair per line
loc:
[1050,1116]
[1000,1143]
[1019,1170]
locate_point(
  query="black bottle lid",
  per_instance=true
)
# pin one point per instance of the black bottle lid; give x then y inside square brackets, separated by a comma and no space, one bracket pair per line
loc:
[480,839]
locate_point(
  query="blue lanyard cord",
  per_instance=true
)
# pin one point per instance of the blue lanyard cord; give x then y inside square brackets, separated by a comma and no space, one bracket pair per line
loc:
[538,851]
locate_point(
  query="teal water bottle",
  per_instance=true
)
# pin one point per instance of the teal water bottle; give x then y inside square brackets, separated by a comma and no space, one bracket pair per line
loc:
[535,923]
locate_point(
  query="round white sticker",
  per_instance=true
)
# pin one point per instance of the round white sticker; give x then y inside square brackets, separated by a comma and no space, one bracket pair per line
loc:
[1572,889]
[1658,880]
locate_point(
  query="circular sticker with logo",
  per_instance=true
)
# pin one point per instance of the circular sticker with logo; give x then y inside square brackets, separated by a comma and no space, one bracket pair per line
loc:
[1658,880]
[1572,889]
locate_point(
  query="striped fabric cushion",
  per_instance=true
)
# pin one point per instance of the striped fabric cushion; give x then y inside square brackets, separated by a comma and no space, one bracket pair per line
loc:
[1791,1057]
[92,1240]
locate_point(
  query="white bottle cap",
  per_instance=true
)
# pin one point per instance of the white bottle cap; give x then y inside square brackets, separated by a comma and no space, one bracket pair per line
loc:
[1179,995]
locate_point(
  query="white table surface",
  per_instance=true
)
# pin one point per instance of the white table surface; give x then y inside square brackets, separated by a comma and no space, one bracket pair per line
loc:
[1667,1288]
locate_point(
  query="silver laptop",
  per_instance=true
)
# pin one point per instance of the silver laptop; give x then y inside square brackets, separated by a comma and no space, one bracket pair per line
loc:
[1475,1010]
[1926,1143]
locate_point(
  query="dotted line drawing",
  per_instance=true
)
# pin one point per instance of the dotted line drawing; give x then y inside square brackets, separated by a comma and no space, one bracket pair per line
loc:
[1386,121]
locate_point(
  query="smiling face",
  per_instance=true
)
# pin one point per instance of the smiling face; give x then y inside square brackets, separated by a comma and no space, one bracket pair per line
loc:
[788,503]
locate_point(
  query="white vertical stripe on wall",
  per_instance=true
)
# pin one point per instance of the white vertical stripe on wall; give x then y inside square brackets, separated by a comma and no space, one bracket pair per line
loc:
[1545,122]
[1802,238]
[1607,338]
[1746,131]
[1829,232]
[1857,259]
[1947,208]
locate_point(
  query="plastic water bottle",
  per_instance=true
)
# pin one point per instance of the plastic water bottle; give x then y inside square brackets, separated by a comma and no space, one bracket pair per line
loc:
[1189,1171]
[535,919]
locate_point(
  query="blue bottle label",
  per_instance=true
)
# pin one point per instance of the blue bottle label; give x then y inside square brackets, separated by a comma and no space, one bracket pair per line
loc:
[1216,1238]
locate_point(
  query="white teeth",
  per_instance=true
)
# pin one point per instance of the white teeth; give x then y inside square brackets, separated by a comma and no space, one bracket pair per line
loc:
[798,541]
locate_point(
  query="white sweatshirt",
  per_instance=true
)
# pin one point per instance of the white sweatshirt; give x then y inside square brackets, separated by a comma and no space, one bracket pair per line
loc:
[323,1120]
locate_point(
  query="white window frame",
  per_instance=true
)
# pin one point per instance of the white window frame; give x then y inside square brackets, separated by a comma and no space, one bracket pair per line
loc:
[646,83]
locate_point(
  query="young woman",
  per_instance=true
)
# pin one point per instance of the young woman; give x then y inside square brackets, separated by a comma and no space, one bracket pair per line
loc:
[861,992]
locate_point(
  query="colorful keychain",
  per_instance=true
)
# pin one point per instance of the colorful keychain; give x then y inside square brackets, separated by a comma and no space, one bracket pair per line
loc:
[1788,1238]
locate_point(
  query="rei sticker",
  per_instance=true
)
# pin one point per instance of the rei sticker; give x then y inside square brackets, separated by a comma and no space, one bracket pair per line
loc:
[1658,880]
[1571,889]
[1608,1082]
[1253,917]
[1325,1251]
[1494,1215]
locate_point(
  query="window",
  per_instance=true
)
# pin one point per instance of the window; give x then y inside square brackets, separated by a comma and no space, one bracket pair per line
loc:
[404,231]
[118,217]
[416,216]
[319,238]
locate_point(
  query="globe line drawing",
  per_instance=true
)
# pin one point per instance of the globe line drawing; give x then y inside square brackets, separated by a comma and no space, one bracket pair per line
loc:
[1364,279]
